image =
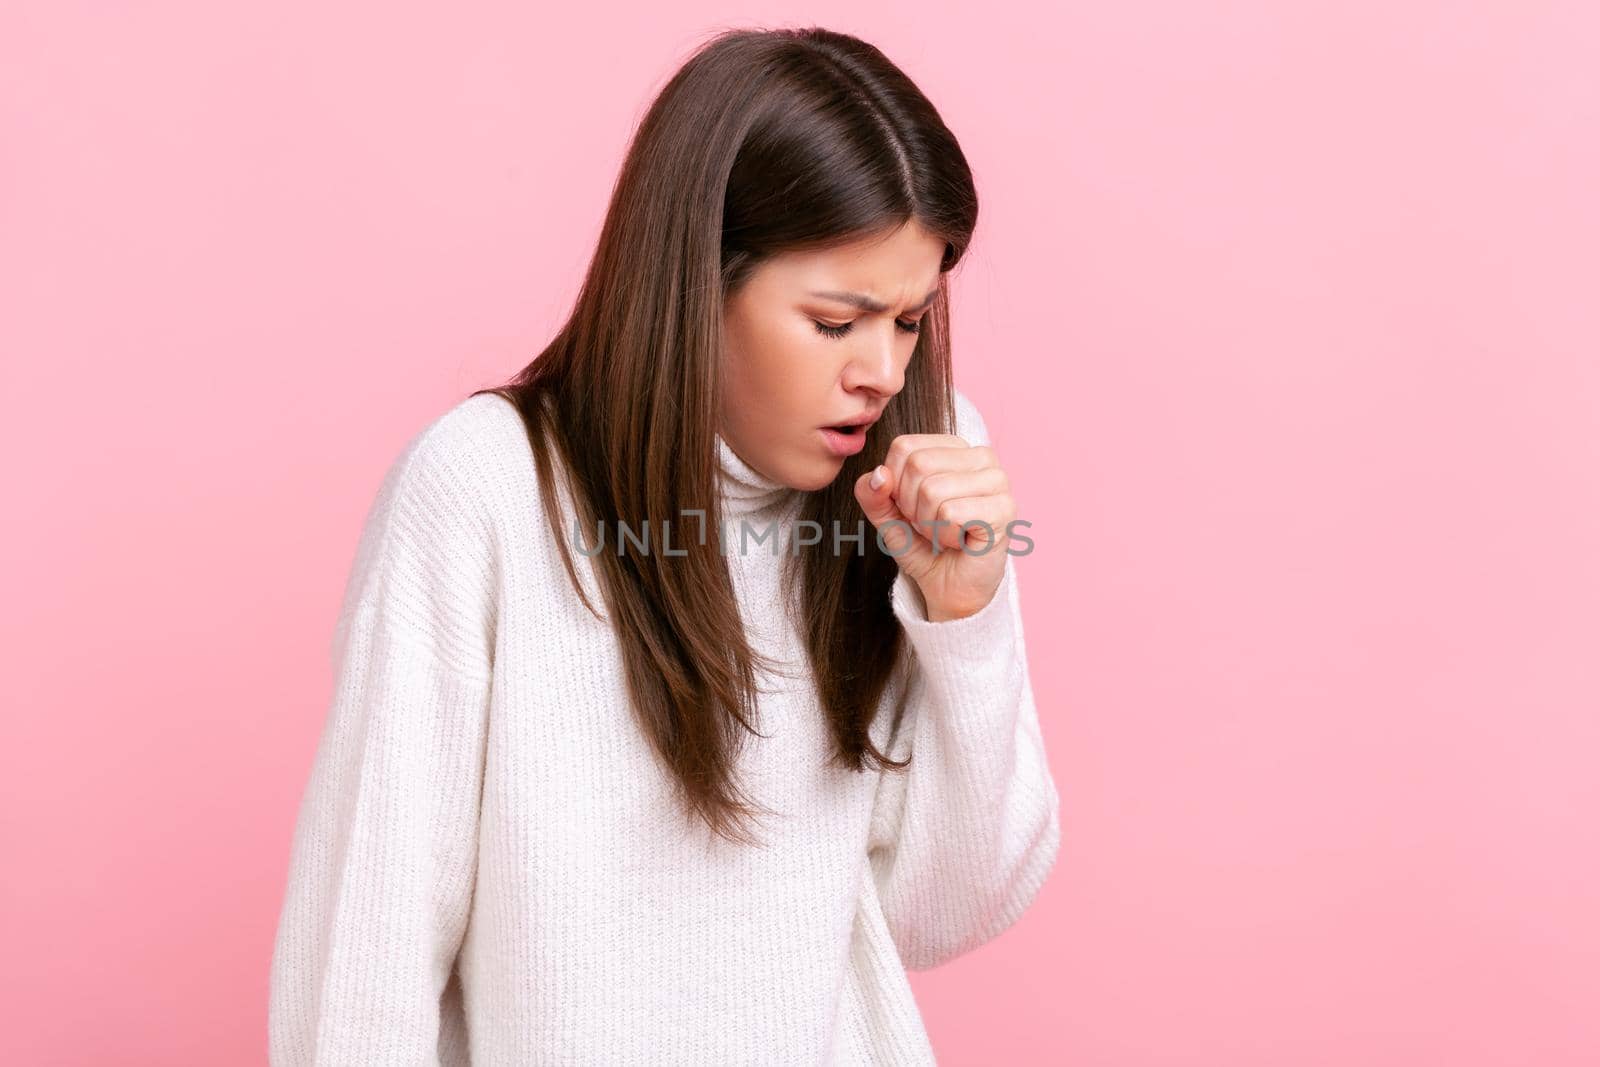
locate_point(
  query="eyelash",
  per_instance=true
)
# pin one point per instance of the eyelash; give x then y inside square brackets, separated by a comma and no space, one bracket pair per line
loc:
[839,331]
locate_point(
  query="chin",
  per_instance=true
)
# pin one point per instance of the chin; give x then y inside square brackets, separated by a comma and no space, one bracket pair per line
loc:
[819,477]
[824,475]
[819,483]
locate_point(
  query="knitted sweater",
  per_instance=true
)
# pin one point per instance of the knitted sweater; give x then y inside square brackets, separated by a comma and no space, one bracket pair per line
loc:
[488,866]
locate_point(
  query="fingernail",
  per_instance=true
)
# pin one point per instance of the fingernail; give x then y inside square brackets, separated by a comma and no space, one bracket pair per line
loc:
[878,475]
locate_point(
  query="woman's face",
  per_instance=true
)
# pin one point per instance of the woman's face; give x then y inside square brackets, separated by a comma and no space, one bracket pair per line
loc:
[786,379]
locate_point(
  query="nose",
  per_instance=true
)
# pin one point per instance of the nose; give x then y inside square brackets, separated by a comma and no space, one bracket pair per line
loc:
[877,364]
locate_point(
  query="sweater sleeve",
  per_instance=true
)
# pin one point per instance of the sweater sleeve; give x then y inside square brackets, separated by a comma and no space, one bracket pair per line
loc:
[963,839]
[384,854]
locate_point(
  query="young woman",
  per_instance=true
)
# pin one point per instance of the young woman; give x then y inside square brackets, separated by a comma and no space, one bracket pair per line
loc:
[669,727]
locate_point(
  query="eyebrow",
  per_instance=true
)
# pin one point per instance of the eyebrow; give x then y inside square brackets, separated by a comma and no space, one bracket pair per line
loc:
[866,303]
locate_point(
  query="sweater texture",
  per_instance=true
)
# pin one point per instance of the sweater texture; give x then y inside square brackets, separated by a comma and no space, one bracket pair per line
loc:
[490,866]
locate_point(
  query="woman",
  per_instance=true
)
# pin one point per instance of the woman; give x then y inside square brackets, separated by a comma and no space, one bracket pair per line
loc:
[626,763]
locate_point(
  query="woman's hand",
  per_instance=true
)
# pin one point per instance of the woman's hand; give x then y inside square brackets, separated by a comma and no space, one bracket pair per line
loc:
[935,483]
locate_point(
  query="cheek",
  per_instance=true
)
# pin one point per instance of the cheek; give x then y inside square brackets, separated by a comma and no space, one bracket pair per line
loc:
[780,371]
[793,363]
[744,362]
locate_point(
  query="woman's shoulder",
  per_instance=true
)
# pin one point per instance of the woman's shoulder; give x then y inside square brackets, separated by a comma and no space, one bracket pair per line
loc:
[428,559]
[465,463]
[483,430]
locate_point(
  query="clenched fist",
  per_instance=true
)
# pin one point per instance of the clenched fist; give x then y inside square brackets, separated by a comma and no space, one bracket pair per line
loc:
[935,483]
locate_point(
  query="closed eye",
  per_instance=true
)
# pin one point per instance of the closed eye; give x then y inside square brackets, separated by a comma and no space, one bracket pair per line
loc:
[827,330]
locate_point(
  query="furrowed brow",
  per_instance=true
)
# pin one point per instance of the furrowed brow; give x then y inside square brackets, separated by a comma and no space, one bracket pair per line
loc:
[866,303]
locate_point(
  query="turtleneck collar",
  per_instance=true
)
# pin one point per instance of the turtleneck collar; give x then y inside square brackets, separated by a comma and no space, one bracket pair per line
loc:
[744,489]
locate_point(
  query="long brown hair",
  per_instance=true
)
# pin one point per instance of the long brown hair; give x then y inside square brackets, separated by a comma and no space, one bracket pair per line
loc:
[762,142]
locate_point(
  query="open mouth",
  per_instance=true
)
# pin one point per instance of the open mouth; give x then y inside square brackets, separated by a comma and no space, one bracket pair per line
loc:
[846,429]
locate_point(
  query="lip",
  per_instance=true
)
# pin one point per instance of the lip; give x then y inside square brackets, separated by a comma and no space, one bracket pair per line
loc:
[848,444]
[844,444]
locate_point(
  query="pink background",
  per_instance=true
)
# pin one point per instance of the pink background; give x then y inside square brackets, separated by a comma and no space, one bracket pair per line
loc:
[1285,320]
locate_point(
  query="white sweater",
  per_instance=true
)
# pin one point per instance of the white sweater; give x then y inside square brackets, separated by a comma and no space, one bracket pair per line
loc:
[488,867]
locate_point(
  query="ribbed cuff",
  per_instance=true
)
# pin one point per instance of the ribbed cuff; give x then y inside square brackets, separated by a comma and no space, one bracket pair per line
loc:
[972,658]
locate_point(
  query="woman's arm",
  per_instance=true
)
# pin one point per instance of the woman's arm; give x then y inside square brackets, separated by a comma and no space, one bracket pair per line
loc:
[384,853]
[963,839]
